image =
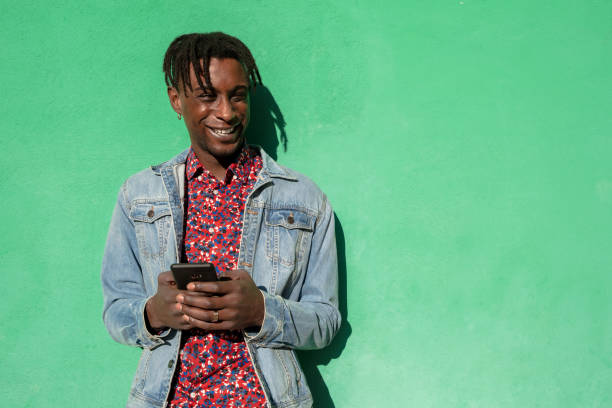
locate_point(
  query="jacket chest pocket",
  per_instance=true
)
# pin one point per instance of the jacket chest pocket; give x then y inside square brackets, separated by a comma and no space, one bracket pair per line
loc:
[287,233]
[152,223]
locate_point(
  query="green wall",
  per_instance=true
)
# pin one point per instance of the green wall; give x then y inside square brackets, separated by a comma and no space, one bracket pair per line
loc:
[465,146]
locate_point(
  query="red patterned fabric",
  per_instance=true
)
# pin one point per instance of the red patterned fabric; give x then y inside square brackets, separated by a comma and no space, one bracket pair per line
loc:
[215,369]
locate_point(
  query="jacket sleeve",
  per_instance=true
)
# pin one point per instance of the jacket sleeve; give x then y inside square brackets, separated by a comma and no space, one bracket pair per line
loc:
[122,283]
[313,321]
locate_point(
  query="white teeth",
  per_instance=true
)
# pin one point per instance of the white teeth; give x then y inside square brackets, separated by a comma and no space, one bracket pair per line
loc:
[224,131]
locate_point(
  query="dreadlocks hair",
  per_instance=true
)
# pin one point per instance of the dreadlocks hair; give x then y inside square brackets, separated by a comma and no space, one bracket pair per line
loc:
[197,49]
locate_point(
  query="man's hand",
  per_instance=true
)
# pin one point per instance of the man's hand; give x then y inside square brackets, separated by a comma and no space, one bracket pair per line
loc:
[237,303]
[162,309]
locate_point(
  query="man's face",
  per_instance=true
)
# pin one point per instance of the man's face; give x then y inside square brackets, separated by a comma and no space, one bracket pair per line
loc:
[215,118]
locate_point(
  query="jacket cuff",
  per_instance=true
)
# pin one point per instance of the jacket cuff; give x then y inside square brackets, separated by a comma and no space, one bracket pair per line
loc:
[148,339]
[272,326]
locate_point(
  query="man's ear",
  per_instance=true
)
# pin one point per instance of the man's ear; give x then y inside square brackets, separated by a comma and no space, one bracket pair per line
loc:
[175,101]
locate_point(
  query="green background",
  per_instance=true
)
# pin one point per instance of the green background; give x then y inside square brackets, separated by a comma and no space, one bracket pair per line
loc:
[465,146]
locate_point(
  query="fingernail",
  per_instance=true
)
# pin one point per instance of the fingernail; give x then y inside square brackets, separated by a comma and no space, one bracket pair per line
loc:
[180,298]
[190,286]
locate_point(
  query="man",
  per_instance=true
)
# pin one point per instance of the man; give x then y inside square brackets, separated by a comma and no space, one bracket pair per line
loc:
[267,228]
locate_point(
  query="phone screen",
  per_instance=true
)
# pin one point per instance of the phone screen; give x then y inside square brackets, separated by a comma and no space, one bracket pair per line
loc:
[193,272]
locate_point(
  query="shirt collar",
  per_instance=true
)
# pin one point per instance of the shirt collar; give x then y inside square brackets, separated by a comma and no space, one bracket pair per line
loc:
[240,168]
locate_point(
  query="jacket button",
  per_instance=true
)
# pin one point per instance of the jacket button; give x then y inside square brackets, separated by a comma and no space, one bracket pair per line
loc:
[290,219]
[170,363]
[151,213]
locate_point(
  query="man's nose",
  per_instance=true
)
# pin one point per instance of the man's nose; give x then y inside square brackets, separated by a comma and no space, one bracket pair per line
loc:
[225,110]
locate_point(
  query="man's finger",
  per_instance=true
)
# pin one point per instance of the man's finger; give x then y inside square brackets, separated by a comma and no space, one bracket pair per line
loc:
[185,325]
[205,325]
[218,287]
[199,301]
[209,316]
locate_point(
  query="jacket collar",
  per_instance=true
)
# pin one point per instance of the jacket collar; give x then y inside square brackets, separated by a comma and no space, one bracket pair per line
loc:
[270,167]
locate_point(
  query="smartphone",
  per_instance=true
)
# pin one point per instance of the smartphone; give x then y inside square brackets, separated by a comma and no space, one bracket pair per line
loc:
[192,272]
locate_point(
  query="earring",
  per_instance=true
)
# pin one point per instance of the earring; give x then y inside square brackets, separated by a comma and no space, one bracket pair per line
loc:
[179,116]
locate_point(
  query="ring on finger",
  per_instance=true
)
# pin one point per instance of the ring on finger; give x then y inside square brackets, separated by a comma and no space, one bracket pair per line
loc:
[215,316]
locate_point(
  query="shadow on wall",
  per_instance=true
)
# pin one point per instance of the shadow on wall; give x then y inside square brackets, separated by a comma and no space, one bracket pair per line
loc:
[310,360]
[266,118]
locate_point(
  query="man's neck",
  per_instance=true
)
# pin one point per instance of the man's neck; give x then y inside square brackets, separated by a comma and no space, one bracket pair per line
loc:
[217,166]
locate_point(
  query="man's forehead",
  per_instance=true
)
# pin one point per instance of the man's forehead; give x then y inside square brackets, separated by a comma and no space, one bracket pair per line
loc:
[217,67]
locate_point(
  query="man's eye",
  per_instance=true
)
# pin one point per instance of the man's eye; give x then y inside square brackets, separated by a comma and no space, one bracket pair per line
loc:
[207,96]
[239,98]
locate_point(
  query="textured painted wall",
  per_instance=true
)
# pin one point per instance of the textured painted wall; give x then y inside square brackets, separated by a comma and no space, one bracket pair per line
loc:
[465,146]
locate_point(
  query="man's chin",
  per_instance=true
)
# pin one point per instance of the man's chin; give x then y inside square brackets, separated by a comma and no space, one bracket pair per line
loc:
[223,150]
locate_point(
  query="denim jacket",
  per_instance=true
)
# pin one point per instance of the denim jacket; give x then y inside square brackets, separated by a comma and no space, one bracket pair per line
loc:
[288,247]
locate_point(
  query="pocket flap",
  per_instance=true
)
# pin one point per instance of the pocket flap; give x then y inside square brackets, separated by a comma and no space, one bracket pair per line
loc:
[291,219]
[149,212]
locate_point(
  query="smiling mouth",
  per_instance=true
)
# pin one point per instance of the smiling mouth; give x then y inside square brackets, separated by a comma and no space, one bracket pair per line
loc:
[225,131]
